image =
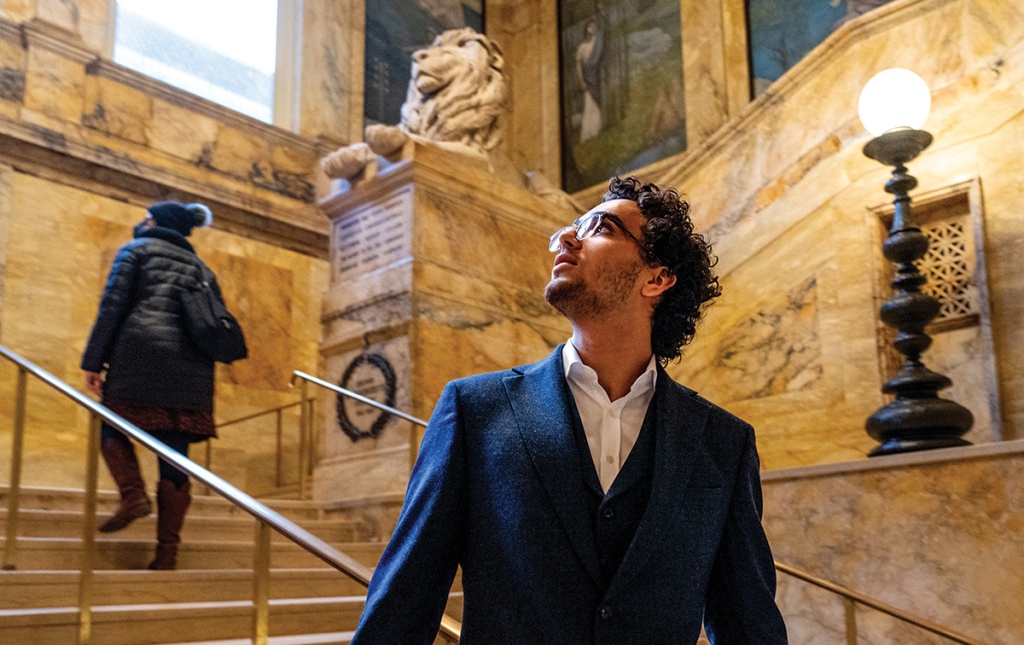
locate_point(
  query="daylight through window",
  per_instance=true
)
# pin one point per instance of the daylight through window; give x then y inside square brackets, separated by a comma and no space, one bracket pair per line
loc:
[222,50]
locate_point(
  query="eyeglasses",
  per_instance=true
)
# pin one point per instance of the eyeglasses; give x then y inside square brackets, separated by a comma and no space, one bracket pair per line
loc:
[590,224]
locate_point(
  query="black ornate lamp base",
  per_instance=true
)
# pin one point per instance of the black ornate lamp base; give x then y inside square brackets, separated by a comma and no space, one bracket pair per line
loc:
[917,419]
[907,425]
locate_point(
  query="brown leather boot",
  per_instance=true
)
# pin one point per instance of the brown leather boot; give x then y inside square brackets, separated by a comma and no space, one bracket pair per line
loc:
[171,504]
[124,468]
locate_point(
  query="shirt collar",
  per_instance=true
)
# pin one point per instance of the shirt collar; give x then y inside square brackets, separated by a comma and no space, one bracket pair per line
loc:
[575,369]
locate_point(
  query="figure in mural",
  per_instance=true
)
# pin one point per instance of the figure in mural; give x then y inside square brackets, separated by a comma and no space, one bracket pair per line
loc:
[457,99]
[143,365]
[589,497]
[622,87]
[588,73]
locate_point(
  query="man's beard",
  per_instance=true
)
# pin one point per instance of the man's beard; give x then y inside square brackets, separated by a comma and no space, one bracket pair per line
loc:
[576,301]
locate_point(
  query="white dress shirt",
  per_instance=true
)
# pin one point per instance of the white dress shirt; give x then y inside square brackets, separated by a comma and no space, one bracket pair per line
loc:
[612,427]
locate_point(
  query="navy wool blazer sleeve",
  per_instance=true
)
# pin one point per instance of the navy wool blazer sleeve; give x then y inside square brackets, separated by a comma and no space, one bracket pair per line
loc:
[410,586]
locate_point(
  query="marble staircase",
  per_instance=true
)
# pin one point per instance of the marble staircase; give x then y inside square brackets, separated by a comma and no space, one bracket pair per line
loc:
[207,601]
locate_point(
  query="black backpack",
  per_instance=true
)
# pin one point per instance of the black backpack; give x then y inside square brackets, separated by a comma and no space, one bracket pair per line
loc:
[209,323]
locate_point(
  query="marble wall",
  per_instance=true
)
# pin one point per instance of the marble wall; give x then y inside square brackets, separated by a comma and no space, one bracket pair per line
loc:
[938,535]
[60,244]
[85,145]
[788,198]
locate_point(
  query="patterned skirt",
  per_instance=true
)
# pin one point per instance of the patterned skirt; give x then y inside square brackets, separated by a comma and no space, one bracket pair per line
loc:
[198,424]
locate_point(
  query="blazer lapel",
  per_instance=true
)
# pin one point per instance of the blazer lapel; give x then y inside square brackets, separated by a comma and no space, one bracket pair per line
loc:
[542,408]
[678,436]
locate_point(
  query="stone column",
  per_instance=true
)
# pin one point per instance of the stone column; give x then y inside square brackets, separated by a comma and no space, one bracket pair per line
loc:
[438,271]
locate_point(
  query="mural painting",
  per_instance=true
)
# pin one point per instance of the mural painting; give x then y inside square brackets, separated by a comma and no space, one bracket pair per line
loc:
[622,87]
[394,30]
[784,31]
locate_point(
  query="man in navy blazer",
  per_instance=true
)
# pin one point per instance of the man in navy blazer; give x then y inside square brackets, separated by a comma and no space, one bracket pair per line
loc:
[589,498]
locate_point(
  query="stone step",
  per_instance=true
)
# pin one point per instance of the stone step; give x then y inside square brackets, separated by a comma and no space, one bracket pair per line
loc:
[37,589]
[68,523]
[148,624]
[43,553]
[73,499]
[188,622]
[332,638]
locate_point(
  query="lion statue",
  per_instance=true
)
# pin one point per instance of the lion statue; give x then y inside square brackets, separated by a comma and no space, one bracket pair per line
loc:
[457,99]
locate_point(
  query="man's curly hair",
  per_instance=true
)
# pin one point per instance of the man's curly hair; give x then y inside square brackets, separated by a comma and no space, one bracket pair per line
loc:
[669,240]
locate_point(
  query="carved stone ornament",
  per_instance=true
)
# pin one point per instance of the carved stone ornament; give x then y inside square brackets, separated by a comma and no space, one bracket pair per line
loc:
[382,371]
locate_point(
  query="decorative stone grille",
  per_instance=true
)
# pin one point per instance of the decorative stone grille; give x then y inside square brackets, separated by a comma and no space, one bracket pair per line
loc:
[949,266]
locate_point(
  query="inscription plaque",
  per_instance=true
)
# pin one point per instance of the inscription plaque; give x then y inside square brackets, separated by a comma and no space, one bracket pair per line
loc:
[373,236]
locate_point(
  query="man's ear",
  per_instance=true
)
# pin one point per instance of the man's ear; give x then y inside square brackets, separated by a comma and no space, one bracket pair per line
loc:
[660,281]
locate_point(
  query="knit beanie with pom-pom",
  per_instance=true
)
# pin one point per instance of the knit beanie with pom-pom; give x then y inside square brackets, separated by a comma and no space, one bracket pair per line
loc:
[180,217]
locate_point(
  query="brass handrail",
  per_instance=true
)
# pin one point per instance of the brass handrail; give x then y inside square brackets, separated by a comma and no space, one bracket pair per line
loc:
[279,430]
[850,596]
[263,515]
[413,438]
[357,397]
[256,415]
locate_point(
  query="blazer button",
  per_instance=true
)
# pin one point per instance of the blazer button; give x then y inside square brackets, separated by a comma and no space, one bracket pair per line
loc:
[608,513]
[606,612]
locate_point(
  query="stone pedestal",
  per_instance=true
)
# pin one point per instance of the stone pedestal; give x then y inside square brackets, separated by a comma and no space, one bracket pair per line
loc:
[438,271]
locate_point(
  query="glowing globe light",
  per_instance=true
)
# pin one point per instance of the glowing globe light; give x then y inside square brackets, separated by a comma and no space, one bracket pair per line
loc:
[894,98]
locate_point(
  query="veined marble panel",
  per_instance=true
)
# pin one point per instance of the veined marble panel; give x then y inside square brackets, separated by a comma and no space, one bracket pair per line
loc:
[63,13]
[18,10]
[942,540]
[116,110]
[54,88]
[776,350]
[332,69]
[93,22]
[12,78]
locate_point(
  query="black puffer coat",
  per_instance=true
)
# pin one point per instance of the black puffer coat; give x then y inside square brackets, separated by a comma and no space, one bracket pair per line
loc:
[140,336]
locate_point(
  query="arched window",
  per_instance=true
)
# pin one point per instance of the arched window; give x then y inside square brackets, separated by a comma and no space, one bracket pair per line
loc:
[222,50]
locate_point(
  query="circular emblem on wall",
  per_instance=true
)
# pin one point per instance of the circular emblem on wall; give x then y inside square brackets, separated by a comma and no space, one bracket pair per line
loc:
[372,376]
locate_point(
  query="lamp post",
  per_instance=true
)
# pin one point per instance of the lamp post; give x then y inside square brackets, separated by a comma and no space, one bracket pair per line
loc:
[892,106]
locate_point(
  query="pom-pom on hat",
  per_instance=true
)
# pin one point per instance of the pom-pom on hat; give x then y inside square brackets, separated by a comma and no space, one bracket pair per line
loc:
[180,217]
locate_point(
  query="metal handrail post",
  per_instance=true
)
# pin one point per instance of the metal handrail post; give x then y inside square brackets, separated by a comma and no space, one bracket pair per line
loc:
[209,460]
[261,585]
[17,458]
[304,423]
[414,446]
[280,446]
[85,579]
[850,609]
[310,446]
